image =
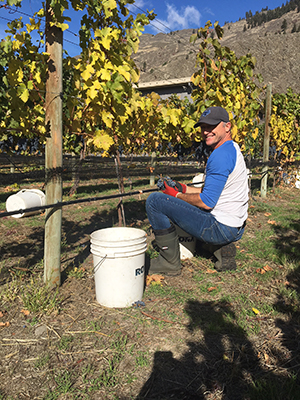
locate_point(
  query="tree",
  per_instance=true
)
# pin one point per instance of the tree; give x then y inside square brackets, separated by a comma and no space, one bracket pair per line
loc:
[99,81]
[223,79]
[100,85]
[285,123]
[283,26]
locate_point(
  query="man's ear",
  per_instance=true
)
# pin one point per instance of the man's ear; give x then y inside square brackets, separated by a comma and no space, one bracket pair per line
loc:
[228,127]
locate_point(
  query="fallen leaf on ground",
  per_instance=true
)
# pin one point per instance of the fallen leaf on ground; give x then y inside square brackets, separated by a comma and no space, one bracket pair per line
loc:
[255,310]
[25,312]
[154,279]
[1,314]
[272,222]
[210,271]
[210,289]
[267,268]
[267,214]
[4,323]
[260,271]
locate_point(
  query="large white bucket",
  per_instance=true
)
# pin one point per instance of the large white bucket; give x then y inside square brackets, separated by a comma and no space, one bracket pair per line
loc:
[25,198]
[198,180]
[187,244]
[119,265]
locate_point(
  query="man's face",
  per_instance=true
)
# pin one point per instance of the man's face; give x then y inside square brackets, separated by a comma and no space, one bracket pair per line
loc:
[216,135]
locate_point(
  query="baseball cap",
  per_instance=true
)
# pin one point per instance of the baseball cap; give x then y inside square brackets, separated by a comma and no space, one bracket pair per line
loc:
[213,116]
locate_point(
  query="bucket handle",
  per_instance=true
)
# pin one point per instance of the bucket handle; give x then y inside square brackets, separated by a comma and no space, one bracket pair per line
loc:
[96,267]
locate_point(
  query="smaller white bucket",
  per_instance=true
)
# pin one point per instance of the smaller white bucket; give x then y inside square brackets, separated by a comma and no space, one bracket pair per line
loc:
[119,265]
[25,198]
[198,180]
[187,244]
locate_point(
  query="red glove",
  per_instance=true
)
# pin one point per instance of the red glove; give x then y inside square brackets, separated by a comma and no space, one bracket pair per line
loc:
[171,191]
[181,187]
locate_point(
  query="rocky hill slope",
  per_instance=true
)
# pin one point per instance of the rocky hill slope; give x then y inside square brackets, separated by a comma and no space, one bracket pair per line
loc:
[168,56]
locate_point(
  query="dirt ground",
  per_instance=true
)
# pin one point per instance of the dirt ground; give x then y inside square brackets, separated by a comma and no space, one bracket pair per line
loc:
[195,336]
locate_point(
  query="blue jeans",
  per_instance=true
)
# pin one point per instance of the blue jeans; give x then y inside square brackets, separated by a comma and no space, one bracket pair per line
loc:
[162,208]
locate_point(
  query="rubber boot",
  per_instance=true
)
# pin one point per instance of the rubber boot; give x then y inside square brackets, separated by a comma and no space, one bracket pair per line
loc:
[225,257]
[168,261]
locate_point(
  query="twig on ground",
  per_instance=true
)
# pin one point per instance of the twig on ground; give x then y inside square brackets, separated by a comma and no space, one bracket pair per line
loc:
[158,319]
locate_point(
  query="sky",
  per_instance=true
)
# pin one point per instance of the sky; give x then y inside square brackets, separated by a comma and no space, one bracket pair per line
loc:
[172,15]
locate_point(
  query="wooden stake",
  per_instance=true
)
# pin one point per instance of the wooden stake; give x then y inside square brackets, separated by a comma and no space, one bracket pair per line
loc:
[264,181]
[53,154]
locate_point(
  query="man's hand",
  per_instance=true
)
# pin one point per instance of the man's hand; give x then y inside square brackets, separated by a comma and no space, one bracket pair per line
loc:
[179,187]
[171,191]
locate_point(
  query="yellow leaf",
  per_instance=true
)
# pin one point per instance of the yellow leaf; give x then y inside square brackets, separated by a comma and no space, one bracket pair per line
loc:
[124,72]
[255,310]
[213,65]
[105,74]
[92,92]
[37,76]
[154,279]
[234,131]
[255,133]
[106,41]
[24,96]
[102,140]
[89,70]
[107,119]
[20,75]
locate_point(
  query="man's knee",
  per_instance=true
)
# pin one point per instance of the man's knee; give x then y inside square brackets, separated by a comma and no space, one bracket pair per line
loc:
[152,200]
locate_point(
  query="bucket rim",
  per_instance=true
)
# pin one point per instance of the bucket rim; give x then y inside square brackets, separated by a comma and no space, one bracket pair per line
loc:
[118,254]
[93,235]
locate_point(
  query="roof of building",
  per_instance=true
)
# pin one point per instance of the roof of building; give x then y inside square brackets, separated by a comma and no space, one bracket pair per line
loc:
[169,82]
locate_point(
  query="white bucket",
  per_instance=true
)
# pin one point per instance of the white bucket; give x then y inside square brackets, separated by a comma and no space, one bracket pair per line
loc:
[119,265]
[25,198]
[198,180]
[187,244]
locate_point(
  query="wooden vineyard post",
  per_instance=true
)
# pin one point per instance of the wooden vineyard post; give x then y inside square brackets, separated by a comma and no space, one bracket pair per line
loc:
[53,153]
[264,181]
[152,168]
[121,211]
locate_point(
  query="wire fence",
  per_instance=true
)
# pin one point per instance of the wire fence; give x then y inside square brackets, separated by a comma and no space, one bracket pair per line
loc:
[30,170]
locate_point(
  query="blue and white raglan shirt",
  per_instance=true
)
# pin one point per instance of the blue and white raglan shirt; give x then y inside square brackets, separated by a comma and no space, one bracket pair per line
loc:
[226,188]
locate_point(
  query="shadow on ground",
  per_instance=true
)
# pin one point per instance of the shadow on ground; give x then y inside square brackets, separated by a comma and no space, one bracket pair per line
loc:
[23,247]
[221,363]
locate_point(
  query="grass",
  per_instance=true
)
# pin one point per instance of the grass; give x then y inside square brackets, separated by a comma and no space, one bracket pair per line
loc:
[37,298]
[203,330]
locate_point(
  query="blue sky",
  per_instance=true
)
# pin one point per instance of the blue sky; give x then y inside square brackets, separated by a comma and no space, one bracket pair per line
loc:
[172,15]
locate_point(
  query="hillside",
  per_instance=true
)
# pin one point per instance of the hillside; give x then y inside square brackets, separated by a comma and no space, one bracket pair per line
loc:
[167,56]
